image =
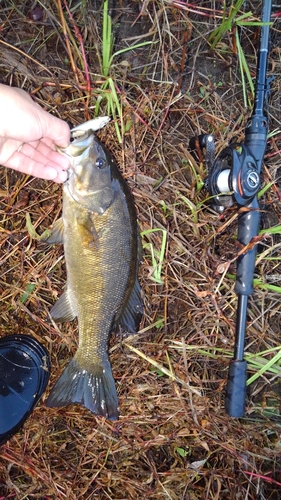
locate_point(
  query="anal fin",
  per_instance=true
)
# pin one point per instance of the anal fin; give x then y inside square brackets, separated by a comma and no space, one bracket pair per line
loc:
[130,317]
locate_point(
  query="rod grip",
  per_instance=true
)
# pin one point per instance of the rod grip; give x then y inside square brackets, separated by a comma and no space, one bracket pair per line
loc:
[235,394]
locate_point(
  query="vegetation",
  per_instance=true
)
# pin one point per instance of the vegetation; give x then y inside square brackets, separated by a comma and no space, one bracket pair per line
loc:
[165,70]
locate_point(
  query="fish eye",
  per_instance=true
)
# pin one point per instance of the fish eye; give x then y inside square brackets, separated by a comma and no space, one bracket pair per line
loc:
[100,163]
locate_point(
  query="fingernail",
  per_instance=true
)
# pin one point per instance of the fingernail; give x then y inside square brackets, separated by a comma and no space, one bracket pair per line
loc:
[62,175]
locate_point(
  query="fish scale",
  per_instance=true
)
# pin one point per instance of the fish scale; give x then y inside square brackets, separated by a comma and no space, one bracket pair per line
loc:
[99,277]
[102,249]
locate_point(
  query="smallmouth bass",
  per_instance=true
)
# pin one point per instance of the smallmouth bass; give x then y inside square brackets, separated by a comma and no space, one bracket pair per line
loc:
[100,234]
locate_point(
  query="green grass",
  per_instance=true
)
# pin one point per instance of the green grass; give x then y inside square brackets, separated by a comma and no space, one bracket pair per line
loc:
[197,177]
[271,230]
[193,209]
[227,23]
[109,89]
[157,256]
[259,283]
[32,231]
[232,22]
[255,362]
[29,289]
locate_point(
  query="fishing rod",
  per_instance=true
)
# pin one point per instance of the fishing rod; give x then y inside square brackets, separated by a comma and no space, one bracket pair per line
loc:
[234,177]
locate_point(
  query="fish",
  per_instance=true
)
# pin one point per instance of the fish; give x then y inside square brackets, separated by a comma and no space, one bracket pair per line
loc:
[102,247]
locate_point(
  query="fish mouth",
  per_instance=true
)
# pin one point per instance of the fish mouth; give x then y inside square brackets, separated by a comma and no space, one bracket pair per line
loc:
[79,146]
[77,151]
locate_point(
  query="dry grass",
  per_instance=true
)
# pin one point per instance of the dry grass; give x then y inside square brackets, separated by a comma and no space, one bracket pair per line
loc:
[173,439]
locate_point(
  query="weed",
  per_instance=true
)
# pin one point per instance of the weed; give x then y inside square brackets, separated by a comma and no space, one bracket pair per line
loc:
[157,256]
[109,89]
[230,23]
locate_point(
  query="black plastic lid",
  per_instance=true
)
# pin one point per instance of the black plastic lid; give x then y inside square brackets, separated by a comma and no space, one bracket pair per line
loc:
[24,375]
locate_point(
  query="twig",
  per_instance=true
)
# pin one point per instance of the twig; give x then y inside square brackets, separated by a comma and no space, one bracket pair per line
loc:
[66,37]
[86,69]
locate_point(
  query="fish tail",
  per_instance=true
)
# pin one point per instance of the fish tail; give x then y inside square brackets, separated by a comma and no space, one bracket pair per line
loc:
[95,389]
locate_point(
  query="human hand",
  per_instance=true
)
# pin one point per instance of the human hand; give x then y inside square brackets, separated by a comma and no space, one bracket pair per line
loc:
[28,136]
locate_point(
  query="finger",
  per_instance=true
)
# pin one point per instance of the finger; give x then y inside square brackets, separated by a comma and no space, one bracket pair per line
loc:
[49,142]
[36,166]
[46,148]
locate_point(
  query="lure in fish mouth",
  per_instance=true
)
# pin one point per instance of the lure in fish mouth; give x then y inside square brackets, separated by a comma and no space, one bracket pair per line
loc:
[100,234]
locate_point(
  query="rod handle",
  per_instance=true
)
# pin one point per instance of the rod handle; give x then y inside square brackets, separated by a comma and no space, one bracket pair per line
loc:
[235,394]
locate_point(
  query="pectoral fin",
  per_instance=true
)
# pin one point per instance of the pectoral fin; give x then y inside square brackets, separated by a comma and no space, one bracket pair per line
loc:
[56,236]
[88,232]
[64,309]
